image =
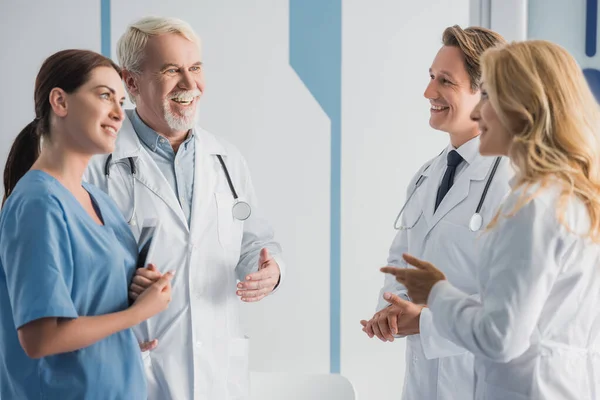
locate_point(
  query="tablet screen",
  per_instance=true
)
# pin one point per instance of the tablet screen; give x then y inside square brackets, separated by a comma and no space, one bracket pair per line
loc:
[144,243]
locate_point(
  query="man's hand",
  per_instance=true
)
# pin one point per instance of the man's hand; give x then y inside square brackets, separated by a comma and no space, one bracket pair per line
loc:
[150,345]
[143,278]
[400,318]
[260,284]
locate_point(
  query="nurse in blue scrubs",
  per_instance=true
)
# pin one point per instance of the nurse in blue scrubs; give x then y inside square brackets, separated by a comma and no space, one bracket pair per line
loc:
[66,253]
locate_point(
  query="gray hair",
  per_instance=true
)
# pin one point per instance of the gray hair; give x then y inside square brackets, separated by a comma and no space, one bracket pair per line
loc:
[131,46]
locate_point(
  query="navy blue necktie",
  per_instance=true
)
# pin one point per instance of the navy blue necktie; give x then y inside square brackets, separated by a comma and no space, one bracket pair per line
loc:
[454,160]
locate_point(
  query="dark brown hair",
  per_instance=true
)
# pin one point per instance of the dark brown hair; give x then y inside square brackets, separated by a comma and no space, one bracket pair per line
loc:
[67,70]
[472,42]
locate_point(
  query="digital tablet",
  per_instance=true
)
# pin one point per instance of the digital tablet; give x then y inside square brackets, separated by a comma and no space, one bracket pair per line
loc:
[146,241]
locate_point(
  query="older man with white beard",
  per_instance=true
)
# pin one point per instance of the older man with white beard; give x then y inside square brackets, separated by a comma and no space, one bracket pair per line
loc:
[198,186]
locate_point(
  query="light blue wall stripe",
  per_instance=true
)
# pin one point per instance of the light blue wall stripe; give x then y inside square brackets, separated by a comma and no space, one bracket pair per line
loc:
[105,27]
[316,56]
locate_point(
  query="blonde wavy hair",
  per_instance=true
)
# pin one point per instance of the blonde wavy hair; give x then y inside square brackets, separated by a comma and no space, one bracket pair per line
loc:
[540,95]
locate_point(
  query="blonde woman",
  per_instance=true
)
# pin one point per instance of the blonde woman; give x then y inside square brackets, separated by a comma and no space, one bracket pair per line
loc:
[536,331]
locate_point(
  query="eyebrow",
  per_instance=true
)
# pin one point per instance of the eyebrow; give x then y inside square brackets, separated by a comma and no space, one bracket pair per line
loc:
[113,91]
[106,87]
[443,72]
[167,65]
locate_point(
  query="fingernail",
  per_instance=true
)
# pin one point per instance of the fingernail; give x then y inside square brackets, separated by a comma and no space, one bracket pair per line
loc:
[248,278]
[172,272]
[387,296]
[240,285]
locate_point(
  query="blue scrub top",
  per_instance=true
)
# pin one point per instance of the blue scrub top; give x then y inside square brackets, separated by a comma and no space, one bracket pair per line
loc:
[56,261]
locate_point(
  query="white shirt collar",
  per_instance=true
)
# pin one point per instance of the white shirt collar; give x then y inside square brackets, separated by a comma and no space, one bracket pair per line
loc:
[468,151]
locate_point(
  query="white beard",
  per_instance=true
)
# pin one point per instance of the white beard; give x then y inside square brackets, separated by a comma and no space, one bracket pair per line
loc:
[177,122]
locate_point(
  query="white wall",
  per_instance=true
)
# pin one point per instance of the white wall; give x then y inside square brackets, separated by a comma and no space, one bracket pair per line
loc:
[562,22]
[257,101]
[26,39]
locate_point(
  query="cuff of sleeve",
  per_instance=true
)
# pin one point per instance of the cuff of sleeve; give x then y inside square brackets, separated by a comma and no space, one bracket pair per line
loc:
[434,344]
[49,312]
[281,265]
[436,291]
[434,341]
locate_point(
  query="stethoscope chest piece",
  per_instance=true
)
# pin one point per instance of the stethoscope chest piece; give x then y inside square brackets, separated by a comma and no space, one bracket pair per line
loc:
[241,210]
[475,222]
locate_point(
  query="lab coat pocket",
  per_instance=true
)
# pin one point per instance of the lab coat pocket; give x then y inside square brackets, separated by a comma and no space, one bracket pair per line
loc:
[230,229]
[238,374]
[565,372]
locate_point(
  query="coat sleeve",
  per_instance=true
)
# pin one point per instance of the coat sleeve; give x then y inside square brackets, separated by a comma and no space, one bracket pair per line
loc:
[398,247]
[520,267]
[257,234]
[435,344]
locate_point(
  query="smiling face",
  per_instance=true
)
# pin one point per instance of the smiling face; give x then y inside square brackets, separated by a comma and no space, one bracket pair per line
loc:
[93,114]
[170,84]
[450,94]
[496,139]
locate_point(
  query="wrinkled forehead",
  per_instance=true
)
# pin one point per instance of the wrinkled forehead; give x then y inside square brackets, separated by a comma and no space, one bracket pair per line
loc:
[173,49]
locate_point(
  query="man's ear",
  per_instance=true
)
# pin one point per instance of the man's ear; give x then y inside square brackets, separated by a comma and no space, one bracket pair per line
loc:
[130,81]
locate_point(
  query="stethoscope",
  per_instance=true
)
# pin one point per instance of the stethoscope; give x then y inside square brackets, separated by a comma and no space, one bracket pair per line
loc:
[241,210]
[476,220]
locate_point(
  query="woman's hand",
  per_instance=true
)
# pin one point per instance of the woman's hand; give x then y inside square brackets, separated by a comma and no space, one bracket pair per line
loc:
[143,279]
[419,281]
[154,299]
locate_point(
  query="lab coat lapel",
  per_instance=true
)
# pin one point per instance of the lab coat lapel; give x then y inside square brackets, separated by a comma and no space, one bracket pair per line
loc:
[148,174]
[152,177]
[205,178]
[430,185]
[459,191]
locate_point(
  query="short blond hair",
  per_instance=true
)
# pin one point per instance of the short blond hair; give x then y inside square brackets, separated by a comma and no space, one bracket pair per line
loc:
[131,46]
[472,42]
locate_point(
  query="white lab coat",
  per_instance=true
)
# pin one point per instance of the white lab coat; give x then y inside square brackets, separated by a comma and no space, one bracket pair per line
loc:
[536,331]
[203,351]
[436,368]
